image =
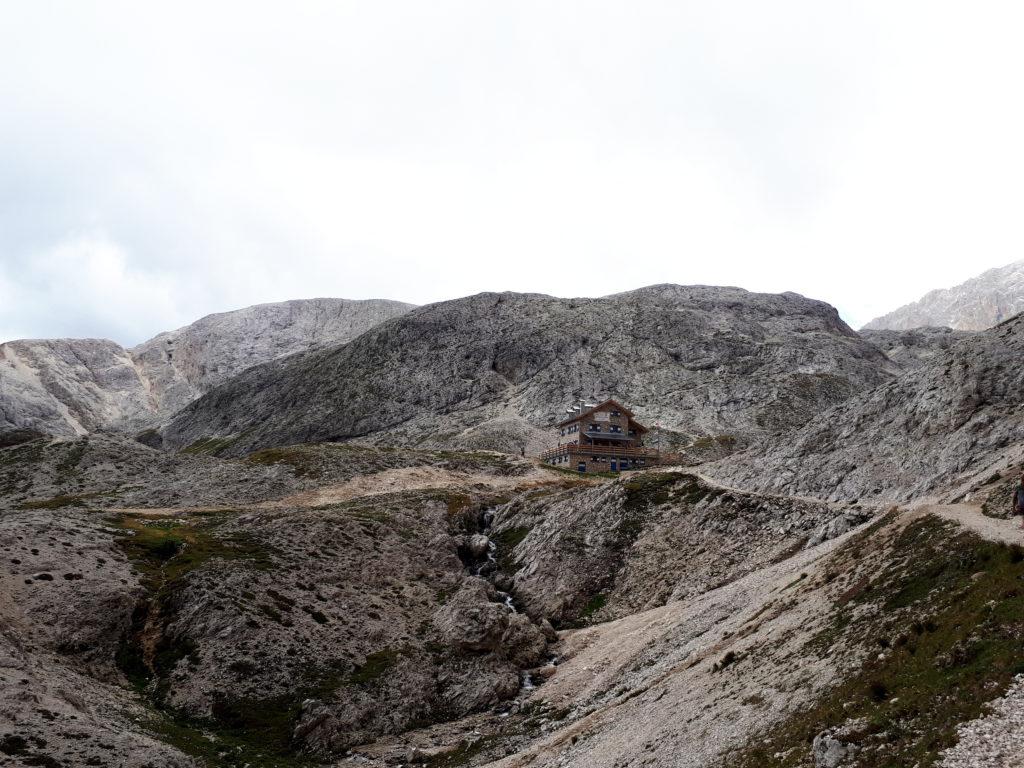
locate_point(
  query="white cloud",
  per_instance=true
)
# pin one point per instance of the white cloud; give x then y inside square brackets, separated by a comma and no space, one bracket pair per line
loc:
[227,154]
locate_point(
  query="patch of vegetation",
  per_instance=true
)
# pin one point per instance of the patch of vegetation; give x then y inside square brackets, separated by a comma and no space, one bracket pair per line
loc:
[649,489]
[376,664]
[165,550]
[23,452]
[304,461]
[574,473]
[15,437]
[57,502]
[505,543]
[713,445]
[462,755]
[594,604]
[257,735]
[947,609]
[210,446]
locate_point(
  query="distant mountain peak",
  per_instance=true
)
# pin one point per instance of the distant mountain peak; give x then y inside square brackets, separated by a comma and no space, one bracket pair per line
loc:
[975,305]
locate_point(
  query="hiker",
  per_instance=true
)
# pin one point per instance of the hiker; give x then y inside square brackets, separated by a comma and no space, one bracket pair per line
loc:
[1018,500]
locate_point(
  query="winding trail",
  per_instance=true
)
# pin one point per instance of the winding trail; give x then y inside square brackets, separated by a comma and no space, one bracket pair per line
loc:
[970,516]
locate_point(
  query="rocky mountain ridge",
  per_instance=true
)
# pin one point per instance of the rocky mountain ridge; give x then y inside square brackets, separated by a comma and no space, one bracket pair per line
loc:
[495,370]
[936,427]
[75,386]
[977,304]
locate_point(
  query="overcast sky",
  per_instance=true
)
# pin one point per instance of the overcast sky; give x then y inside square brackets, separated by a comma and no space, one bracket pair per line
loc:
[158,164]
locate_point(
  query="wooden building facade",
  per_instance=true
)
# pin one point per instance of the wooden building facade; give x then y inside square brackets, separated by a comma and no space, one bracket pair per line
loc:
[604,438]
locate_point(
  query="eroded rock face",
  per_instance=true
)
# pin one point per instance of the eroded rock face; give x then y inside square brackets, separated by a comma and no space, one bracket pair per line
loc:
[916,347]
[184,364]
[975,305]
[605,552]
[71,387]
[494,370]
[931,428]
[66,598]
[293,626]
[75,386]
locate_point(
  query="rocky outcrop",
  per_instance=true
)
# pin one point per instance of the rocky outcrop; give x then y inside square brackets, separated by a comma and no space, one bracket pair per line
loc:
[234,600]
[912,349]
[927,430]
[181,365]
[75,386]
[494,370]
[601,553]
[71,386]
[979,303]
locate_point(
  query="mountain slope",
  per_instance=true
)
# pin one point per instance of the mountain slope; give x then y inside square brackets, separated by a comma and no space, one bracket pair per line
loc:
[975,305]
[493,370]
[73,386]
[931,428]
[70,386]
[914,348]
[181,365]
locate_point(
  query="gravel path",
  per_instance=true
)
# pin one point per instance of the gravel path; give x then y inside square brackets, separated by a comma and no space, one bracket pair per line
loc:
[970,516]
[993,741]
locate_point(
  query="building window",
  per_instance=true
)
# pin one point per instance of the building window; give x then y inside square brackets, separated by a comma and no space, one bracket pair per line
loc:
[616,413]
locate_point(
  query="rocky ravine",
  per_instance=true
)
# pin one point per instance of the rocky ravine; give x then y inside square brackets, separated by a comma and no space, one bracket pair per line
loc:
[75,386]
[344,605]
[258,625]
[494,370]
[975,305]
[267,611]
[935,427]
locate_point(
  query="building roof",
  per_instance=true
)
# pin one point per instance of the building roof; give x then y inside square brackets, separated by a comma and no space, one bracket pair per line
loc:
[602,406]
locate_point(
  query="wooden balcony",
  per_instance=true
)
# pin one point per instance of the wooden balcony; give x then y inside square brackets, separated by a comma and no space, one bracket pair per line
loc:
[652,455]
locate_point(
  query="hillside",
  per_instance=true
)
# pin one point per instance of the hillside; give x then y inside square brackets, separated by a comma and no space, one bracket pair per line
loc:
[75,386]
[977,304]
[333,604]
[936,427]
[913,348]
[493,370]
[182,365]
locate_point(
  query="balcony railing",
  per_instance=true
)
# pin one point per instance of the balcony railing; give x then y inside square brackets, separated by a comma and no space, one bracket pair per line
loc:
[600,450]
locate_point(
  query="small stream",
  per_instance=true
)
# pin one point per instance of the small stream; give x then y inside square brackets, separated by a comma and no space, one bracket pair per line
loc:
[487,568]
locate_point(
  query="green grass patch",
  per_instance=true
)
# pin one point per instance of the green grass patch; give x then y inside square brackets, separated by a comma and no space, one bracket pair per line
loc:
[304,461]
[58,502]
[375,665]
[462,755]
[594,604]
[210,446]
[164,550]
[647,489]
[505,543]
[940,623]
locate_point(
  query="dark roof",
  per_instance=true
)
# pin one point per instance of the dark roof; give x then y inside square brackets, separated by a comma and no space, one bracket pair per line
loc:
[602,406]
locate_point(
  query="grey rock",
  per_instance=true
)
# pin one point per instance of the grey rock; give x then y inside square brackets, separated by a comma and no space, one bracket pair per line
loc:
[605,552]
[929,429]
[913,348]
[75,386]
[71,387]
[470,621]
[495,370]
[830,752]
[181,365]
[979,303]
[478,545]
